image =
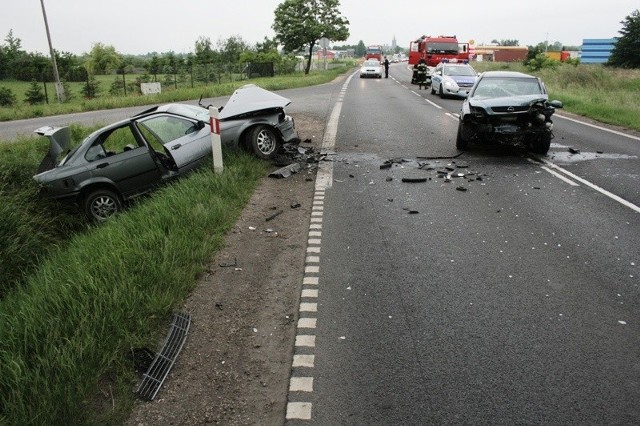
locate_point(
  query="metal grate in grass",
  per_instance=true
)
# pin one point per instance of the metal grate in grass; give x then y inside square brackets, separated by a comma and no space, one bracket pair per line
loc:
[155,376]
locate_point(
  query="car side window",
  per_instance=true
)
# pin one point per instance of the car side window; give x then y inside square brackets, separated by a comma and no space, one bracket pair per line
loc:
[167,128]
[112,143]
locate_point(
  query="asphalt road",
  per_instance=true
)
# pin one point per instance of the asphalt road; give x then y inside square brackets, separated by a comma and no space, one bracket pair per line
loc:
[506,295]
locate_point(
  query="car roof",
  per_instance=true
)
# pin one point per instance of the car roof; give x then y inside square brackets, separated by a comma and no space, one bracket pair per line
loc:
[508,74]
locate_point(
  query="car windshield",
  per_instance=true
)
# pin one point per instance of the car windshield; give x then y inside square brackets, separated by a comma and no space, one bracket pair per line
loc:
[496,87]
[372,64]
[459,70]
[442,47]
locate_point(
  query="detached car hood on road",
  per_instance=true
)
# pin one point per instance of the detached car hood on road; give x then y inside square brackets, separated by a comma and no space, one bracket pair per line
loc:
[250,99]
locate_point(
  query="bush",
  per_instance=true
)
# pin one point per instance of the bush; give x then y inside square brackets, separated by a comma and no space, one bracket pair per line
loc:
[7,98]
[541,61]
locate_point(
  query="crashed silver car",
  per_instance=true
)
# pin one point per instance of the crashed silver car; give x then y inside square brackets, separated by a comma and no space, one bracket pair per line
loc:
[133,156]
[507,107]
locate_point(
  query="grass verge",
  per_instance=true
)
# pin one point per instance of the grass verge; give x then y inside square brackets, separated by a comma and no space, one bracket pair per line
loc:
[75,318]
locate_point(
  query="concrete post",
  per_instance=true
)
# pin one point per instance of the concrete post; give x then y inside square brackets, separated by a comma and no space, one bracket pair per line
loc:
[216,142]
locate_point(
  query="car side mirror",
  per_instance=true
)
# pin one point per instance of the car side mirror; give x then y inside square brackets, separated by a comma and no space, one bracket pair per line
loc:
[200,125]
[556,104]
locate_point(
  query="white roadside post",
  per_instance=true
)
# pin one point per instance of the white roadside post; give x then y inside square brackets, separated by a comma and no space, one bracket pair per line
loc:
[216,142]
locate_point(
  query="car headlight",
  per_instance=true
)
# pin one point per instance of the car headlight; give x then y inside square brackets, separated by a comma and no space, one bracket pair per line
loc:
[450,85]
[477,112]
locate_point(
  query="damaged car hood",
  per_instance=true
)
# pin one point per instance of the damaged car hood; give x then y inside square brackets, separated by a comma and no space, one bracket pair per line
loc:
[251,98]
[501,105]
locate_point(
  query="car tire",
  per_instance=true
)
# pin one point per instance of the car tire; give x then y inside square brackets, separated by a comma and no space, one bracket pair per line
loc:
[101,204]
[541,144]
[264,142]
[461,142]
[440,92]
[433,91]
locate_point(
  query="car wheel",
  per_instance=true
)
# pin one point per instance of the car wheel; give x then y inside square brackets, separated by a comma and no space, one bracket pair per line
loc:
[433,91]
[264,142]
[541,144]
[101,204]
[461,142]
[440,93]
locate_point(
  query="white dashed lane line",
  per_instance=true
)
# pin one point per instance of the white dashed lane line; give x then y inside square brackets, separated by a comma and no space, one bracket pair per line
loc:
[301,381]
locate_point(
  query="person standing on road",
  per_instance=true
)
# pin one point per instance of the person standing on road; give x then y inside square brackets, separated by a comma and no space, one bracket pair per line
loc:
[386,67]
[422,74]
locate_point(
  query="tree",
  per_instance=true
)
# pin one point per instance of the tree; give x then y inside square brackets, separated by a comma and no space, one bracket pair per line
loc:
[509,42]
[300,24]
[231,48]
[626,52]
[102,59]
[91,88]
[361,49]
[7,98]
[35,95]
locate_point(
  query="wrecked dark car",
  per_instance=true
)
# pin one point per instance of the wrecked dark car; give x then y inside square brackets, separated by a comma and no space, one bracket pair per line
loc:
[133,156]
[507,107]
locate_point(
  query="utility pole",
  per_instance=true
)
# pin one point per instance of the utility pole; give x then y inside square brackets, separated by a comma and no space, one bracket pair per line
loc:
[56,76]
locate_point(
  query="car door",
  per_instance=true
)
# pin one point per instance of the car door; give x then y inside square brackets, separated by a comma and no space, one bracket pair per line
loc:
[436,78]
[118,157]
[187,142]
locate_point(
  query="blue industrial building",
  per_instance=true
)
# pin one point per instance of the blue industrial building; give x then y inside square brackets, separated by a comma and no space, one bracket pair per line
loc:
[597,50]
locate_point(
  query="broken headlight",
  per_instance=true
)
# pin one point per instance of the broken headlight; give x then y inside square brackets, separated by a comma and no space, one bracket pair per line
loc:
[477,112]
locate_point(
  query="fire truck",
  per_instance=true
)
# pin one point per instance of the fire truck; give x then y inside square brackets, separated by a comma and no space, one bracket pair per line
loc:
[373,52]
[434,49]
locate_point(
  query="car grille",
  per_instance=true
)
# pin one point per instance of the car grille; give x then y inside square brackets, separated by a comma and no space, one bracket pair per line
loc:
[510,109]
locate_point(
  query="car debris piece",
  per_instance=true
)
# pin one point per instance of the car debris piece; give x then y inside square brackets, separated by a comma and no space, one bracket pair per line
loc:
[286,171]
[414,179]
[461,188]
[229,264]
[296,205]
[574,151]
[159,369]
[273,216]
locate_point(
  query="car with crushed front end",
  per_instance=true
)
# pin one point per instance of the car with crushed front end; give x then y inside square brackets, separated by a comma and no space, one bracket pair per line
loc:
[133,156]
[453,79]
[371,68]
[507,107]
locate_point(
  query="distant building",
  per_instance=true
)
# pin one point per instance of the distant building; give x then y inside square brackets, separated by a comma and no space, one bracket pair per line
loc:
[596,50]
[501,53]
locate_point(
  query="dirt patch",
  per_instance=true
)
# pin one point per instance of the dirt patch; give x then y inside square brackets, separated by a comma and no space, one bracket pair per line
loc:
[235,365]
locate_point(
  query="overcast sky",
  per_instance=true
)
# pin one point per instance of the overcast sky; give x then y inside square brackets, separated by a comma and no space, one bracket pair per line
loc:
[143,26]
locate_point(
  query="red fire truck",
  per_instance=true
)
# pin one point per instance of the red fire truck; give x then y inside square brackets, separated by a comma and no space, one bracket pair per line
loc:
[373,52]
[434,49]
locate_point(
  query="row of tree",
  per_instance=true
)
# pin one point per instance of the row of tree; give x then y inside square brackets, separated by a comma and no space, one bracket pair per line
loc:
[298,24]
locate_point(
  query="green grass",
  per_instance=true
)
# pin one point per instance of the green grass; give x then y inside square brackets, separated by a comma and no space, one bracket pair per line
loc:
[608,95]
[76,316]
